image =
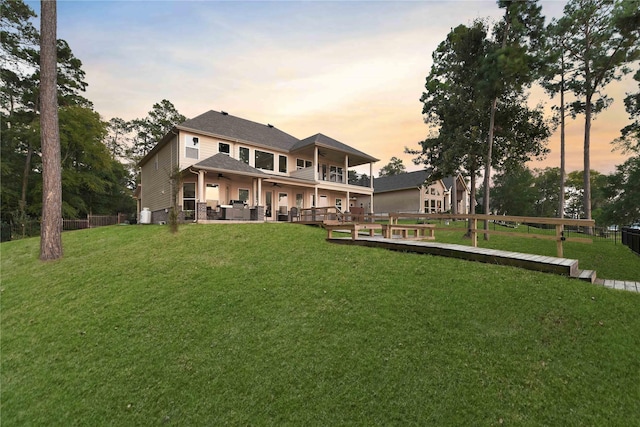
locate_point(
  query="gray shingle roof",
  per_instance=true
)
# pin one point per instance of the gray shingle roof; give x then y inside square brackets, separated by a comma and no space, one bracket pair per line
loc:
[228,126]
[222,161]
[400,182]
[323,140]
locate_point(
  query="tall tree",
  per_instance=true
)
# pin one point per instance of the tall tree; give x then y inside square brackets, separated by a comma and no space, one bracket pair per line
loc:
[623,188]
[623,194]
[576,193]
[514,192]
[149,130]
[458,103]
[117,139]
[394,167]
[547,182]
[19,105]
[509,67]
[554,81]
[453,105]
[599,49]
[51,228]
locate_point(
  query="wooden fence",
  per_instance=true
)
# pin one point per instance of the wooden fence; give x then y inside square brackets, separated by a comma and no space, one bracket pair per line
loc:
[559,223]
[93,221]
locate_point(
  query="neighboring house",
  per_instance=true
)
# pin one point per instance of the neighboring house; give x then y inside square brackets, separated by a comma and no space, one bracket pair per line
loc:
[218,166]
[412,192]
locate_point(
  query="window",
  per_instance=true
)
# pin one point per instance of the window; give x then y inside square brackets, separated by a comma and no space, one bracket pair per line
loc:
[263,160]
[213,195]
[244,155]
[339,204]
[283,203]
[322,172]
[301,163]
[223,147]
[335,174]
[268,203]
[299,201]
[191,147]
[243,194]
[282,164]
[189,200]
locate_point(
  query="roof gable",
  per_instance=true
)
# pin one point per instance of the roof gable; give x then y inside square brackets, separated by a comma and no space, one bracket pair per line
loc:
[401,181]
[228,126]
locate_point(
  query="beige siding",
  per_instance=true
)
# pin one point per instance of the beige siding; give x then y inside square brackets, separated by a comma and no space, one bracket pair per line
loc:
[155,177]
[434,198]
[207,147]
[397,201]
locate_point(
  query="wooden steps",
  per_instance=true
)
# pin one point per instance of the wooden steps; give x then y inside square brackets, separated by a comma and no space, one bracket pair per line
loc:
[547,264]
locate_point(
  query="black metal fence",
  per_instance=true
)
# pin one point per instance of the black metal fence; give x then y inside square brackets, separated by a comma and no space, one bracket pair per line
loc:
[631,238]
[31,227]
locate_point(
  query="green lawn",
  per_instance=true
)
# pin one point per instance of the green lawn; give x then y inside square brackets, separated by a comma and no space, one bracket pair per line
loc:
[268,324]
[611,259]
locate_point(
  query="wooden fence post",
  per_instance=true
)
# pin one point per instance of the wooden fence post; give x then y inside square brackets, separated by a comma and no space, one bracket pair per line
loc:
[474,232]
[559,239]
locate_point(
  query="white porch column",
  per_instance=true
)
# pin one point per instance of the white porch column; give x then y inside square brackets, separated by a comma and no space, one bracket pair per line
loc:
[315,205]
[345,175]
[315,167]
[370,175]
[202,196]
[371,185]
[259,193]
[348,201]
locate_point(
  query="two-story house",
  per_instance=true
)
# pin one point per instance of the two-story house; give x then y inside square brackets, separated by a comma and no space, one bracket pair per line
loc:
[416,192]
[218,166]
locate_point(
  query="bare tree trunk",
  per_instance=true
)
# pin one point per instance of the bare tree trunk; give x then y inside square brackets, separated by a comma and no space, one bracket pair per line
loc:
[22,205]
[50,233]
[587,159]
[454,194]
[562,154]
[492,120]
[487,167]
[472,201]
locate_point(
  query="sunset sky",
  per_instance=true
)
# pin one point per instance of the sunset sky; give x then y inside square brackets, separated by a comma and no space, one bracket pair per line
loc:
[352,70]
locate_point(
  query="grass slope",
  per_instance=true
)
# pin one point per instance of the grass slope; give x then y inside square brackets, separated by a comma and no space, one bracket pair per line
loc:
[267,324]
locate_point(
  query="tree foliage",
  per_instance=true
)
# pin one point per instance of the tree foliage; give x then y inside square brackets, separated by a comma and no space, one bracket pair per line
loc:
[469,70]
[623,194]
[148,131]
[600,38]
[394,167]
[92,181]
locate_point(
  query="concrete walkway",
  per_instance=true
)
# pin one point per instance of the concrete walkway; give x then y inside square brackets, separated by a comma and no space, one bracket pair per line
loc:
[562,266]
[619,284]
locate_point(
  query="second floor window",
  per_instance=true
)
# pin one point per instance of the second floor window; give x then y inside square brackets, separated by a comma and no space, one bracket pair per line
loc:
[191,147]
[301,163]
[244,155]
[282,164]
[223,147]
[263,160]
[335,174]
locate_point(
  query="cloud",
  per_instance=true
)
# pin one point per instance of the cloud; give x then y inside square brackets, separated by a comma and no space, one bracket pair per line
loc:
[352,70]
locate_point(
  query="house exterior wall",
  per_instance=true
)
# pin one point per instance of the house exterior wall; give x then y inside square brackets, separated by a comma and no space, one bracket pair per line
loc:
[397,201]
[155,193]
[433,198]
[209,146]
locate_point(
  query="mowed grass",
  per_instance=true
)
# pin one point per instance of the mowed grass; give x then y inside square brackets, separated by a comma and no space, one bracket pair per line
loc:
[609,258]
[269,324]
